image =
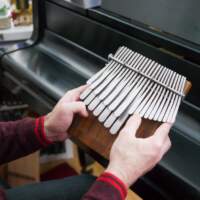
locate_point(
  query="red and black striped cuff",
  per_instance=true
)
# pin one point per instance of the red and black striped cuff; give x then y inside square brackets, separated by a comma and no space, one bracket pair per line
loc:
[40,132]
[115,182]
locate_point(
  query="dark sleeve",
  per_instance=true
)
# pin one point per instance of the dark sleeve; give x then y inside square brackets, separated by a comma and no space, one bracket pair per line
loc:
[2,194]
[20,138]
[107,187]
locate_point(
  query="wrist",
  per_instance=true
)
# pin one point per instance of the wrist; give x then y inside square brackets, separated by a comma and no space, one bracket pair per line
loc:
[46,132]
[39,131]
[115,182]
[122,174]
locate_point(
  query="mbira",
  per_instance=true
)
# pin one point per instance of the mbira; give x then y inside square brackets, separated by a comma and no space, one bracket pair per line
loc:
[129,83]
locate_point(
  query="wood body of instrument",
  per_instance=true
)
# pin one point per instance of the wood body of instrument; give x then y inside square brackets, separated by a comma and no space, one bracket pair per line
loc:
[92,134]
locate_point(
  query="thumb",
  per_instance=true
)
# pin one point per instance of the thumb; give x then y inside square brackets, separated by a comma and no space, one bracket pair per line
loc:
[162,132]
[79,108]
[132,125]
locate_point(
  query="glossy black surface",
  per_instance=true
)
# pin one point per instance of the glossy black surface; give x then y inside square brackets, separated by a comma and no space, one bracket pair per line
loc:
[72,46]
[180,17]
[52,65]
[102,40]
[173,43]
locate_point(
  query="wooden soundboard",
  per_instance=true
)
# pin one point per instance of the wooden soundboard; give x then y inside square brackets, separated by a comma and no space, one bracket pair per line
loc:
[93,135]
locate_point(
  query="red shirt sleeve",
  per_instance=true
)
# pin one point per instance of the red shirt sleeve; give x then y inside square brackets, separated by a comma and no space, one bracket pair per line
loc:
[107,187]
[20,138]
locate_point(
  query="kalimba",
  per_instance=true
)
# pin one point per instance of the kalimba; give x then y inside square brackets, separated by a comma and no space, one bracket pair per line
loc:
[129,83]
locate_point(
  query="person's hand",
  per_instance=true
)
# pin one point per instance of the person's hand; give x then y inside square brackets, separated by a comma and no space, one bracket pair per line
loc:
[132,157]
[59,120]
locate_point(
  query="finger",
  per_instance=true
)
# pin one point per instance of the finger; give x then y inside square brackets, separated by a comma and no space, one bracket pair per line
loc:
[79,108]
[74,94]
[166,146]
[162,132]
[132,125]
[79,89]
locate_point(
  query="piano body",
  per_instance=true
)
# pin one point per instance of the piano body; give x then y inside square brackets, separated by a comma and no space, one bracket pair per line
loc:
[70,44]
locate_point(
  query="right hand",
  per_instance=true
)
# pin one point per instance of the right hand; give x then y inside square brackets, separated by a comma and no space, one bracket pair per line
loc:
[132,157]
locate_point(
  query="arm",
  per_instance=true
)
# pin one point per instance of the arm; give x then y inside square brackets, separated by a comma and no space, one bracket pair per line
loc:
[20,138]
[130,158]
[107,187]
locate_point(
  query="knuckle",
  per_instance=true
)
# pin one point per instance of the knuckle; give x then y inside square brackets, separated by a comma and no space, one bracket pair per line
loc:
[156,156]
[69,93]
[81,105]
[158,145]
[156,150]
[62,104]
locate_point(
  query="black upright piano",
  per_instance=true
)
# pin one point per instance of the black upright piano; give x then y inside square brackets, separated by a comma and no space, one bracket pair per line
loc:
[70,43]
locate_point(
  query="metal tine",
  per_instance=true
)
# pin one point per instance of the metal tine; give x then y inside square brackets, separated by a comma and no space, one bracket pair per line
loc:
[96,101]
[158,98]
[125,105]
[90,93]
[120,121]
[156,92]
[114,76]
[102,105]
[121,96]
[148,97]
[115,83]
[109,79]
[107,66]
[106,92]
[172,99]
[115,93]
[142,103]
[85,93]
[109,88]
[144,110]
[98,109]
[178,101]
[127,90]
[115,68]
[118,80]
[109,121]
[99,73]
[168,97]
[162,98]
[91,96]
[107,70]
[106,112]
[141,85]
[121,87]
[104,74]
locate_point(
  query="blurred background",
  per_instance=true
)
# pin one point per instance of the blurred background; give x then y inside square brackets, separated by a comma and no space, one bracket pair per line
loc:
[71,42]
[15,20]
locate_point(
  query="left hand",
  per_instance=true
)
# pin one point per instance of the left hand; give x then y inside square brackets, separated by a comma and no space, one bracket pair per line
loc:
[58,121]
